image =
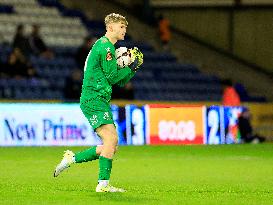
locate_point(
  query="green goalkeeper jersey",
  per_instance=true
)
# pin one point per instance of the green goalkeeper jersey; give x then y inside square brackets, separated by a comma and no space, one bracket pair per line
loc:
[101,72]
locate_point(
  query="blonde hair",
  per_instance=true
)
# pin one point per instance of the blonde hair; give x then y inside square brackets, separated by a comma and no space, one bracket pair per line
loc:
[115,18]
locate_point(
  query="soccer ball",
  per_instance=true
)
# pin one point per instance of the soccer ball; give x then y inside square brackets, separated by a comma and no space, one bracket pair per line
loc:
[123,56]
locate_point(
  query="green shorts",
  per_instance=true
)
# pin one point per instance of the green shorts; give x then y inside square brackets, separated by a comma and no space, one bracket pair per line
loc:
[97,113]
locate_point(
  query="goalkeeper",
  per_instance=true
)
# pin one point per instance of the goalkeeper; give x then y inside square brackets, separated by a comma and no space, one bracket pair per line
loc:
[100,73]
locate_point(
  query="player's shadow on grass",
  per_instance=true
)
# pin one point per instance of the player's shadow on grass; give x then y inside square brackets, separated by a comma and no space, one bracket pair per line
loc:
[121,197]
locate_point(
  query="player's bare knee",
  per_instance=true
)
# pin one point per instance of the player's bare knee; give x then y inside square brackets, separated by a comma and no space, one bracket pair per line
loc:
[115,140]
[112,139]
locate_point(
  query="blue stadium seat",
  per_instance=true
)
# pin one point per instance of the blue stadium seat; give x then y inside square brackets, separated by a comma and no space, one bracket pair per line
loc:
[6,9]
[160,78]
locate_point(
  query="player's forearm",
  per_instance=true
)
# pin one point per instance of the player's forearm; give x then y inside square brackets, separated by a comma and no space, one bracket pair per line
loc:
[118,75]
[125,80]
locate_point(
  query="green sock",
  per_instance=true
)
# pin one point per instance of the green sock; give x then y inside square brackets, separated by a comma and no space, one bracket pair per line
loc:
[86,155]
[105,168]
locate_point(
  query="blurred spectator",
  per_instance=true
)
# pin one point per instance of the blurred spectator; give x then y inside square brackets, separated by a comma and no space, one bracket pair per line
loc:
[230,96]
[73,85]
[126,92]
[37,45]
[164,31]
[83,51]
[18,66]
[20,41]
[246,130]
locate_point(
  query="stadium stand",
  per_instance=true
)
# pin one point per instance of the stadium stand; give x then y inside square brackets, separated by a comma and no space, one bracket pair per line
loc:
[63,30]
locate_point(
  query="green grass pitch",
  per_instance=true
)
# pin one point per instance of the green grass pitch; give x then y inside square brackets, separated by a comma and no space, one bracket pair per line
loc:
[223,174]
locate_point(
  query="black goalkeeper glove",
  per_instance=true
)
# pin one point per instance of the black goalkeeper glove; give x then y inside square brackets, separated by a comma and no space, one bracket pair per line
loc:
[136,59]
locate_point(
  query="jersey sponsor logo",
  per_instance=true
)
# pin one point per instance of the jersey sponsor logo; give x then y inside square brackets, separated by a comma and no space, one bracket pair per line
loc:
[109,56]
